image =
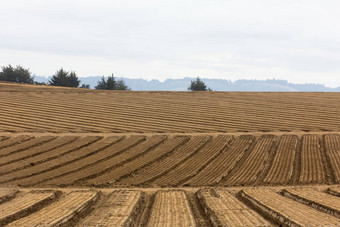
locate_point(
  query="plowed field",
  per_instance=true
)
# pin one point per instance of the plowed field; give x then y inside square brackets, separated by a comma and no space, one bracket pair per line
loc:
[300,206]
[168,160]
[80,157]
[53,109]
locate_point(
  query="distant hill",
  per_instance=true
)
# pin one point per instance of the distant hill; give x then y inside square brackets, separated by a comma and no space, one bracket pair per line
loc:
[214,84]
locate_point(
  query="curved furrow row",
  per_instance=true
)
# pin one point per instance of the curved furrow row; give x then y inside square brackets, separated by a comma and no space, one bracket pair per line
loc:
[281,169]
[332,145]
[311,162]
[286,211]
[118,210]
[224,209]
[8,152]
[167,160]
[157,169]
[254,164]
[14,140]
[61,212]
[109,176]
[222,164]
[68,163]
[24,203]
[320,200]
[197,162]
[69,144]
[260,206]
[29,156]
[76,152]
[111,149]
[110,162]
[7,194]
[3,138]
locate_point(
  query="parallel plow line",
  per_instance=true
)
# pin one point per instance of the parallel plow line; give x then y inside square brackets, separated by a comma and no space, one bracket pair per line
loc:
[62,159]
[171,111]
[167,160]
[111,163]
[108,176]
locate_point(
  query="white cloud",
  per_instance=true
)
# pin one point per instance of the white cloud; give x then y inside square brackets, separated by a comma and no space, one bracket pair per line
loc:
[293,40]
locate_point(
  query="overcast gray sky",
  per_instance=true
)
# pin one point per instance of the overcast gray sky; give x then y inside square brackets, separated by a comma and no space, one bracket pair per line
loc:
[231,39]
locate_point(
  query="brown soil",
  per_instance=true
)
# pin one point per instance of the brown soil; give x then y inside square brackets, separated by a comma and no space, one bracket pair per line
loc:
[87,145]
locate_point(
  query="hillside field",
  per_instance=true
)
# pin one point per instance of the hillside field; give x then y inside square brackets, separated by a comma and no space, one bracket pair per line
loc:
[80,157]
[56,109]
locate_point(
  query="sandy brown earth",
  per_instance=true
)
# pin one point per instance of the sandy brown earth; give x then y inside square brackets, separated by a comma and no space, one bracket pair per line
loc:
[162,160]
[80,157]
[260,206]
[51,109]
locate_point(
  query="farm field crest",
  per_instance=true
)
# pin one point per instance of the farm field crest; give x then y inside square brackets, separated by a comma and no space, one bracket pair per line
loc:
[80,157]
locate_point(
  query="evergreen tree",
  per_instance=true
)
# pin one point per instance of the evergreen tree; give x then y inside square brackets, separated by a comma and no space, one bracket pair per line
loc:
[101,84]
[198,85]
[111,84]
[85,86]
[73,79]
[120,85]
[18,74]
[64,79]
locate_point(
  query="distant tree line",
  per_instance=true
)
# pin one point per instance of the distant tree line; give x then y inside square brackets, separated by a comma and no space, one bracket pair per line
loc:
[18,74]
[62,78]
[65,78]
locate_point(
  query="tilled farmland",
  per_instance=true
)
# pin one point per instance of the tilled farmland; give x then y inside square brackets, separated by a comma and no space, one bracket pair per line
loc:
[54,109]
[80,157]
[290,206]
[169,161]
